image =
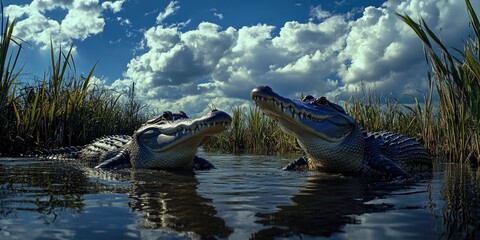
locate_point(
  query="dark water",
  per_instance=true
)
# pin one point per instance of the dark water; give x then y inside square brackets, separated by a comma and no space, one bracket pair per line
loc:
[245,197]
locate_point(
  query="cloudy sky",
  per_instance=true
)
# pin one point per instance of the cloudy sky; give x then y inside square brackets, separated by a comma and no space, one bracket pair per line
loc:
[189,54]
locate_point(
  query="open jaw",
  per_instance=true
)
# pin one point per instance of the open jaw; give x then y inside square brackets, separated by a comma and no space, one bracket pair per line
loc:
[301,118]
[188,132]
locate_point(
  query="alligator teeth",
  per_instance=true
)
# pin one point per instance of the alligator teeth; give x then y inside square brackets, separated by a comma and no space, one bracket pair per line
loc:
[296,117]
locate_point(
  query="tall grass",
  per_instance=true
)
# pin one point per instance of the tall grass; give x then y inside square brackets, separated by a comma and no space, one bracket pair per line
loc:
[375,113]
[60,109]
[456,75]
[252,132]
[9,75]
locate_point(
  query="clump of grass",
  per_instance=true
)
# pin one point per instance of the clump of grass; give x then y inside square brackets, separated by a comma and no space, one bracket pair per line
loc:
[252,132]
[375,113]
[9,75]
[60,109]
[457,82]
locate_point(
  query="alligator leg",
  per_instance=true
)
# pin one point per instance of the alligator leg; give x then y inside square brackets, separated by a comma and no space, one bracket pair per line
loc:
[202,164]
[121,160]
[386,166]
[294,165]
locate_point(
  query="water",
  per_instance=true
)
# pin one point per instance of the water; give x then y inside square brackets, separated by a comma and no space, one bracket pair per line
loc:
[245,197]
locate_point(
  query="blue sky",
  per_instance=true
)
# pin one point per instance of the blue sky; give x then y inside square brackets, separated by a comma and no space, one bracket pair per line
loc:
[187,55]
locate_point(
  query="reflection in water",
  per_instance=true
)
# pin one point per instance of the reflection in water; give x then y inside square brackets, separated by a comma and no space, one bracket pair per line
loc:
[169,200]
[247,196]
[325,205]
[82,202]
[461,191]
[46,189]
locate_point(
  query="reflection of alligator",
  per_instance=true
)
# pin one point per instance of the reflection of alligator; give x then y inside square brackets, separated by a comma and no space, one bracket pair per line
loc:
[325,205]
[333,140]
[167,142]
[169,201]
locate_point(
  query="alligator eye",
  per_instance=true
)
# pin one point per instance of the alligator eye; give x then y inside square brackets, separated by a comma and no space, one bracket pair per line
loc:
[308,98]
[183,114]
[178,115]
[322,101]
[167,115]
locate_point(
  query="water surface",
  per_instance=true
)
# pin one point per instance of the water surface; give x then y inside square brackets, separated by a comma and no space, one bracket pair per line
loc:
[246,197]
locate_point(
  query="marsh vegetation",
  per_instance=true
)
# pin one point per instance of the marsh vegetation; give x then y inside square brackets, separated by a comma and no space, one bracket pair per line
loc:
[59,109]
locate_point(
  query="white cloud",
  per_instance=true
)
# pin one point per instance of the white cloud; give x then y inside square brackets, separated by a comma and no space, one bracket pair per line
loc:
[176,61]
[124,21]
[169,10]
[215,66]
[218,15]
[115,6]
[82,19]
[319,13]
[383,53]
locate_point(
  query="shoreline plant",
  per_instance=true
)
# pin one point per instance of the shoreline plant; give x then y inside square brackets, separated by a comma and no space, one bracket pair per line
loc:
[60,109]
[455,75]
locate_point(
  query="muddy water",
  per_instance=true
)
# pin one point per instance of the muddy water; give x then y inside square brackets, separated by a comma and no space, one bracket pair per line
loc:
[246,197]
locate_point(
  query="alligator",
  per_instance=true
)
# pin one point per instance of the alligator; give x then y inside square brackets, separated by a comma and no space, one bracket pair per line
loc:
[169,141]
[334,142]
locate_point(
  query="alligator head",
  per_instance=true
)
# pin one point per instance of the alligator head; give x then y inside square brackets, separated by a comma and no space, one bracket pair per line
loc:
[324,131]
[171,140]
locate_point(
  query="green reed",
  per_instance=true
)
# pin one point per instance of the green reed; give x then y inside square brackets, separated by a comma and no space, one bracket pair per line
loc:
[456,76]
[9,74]
[60,109]
[252,132]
